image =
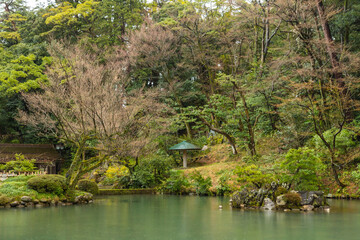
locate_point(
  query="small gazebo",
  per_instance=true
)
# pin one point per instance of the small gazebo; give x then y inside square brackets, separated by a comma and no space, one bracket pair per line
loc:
[183,147]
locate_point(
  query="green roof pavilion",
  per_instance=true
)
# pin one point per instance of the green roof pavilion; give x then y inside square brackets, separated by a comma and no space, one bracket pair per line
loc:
[184,146]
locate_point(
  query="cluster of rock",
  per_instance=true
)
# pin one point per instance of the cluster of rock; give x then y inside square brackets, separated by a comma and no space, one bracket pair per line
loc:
[26,201]
[288,201]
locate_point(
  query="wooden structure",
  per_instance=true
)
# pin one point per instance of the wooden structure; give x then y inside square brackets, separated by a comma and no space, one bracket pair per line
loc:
[183,147]
[47,158]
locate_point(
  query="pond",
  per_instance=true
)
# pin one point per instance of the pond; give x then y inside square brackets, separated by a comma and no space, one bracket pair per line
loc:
[159,217]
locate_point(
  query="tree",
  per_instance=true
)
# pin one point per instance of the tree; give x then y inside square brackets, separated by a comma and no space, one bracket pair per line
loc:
[70,19]
[87,105]
[11,17]
[316,87]
[113,19]
[156,60]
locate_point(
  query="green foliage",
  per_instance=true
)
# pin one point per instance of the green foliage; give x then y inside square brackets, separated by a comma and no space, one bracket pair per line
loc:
[280,191]
[302,169]
[48,184]
[253,175]
[115,175]
[62,21]
[114,18]
[88,186]
[201,184]
[141,178]
[151,171]
[20,164]
[223,187]
[177,183]
[355,175]
[158,165]
[345,140]
[4,200]
[70,195]
[11,23]
[16,186]
[23,74]
[14,189]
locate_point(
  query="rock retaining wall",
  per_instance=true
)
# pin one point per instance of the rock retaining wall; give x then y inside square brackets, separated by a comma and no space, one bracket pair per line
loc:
[28,202]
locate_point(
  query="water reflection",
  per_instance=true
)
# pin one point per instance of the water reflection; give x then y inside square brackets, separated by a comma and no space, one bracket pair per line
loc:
[176,217]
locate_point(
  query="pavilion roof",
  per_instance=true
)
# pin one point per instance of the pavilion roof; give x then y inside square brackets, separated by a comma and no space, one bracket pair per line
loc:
[184,146]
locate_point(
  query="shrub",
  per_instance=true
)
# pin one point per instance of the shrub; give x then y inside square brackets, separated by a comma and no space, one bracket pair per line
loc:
[292,199]
[302,168]
[355,175]
[253,175]
[114,173]
[158,165]
[88,186]
[201,184]
[4,200]
[141,178]
[70,195]
[177,183]
[48,184]
[150,171]
[280,191]
[20,164]
[223,186]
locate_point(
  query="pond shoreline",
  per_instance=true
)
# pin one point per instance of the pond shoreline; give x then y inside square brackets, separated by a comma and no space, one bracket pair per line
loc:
[27,202]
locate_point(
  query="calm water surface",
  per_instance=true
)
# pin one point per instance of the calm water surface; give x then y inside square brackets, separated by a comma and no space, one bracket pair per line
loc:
[158,217]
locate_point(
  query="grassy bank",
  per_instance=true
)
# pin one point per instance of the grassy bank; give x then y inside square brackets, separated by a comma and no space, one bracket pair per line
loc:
[234,172]
[14,188]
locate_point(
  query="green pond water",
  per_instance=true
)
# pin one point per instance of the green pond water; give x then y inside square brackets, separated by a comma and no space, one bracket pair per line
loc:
[136,217]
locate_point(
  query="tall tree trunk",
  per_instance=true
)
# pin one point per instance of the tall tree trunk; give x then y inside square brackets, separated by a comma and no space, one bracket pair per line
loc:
[335,173]
[251,138]
[328,38]
[346,30]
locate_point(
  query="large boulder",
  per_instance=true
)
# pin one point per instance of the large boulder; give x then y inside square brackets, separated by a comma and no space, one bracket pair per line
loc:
[26,199]
[269,204]
[249,198]
[307,208]
[85,198]
[315,198]
[280,201]
[14,204]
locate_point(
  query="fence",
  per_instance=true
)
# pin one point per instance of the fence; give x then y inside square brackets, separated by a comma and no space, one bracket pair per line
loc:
[6,175]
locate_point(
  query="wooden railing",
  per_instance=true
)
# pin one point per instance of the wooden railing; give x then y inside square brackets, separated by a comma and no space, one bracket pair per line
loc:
[5,175]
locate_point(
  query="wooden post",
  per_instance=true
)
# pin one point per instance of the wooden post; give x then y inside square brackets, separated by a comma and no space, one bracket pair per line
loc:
[184,159]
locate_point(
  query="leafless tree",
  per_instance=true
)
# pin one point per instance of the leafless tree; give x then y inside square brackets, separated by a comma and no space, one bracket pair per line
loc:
[88,105]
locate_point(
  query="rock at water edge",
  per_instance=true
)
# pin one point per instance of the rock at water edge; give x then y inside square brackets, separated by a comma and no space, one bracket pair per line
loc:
[268,204]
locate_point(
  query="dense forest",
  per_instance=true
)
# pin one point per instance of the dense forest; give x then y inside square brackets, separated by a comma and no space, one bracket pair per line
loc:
[272,84]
